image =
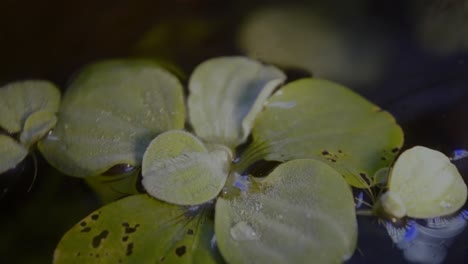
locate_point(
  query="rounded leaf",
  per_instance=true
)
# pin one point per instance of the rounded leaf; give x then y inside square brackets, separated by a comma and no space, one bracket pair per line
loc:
[302,211]
[109,115]
[11,153]
[140,229]
[313,118]
[37,125]
[19,100]
[179,169]
[424,184]
[226,94]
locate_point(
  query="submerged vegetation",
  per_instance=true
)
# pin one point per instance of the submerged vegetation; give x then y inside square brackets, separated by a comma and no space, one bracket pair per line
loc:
[126,124]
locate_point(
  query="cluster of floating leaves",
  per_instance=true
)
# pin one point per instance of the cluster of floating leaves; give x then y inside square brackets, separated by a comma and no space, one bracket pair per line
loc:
[200,196]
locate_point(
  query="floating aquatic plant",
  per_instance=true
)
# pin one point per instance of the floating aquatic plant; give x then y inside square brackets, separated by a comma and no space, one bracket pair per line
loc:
[424,184]
[201,203]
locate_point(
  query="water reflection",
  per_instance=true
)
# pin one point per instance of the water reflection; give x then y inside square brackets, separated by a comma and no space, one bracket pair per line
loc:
[428,240]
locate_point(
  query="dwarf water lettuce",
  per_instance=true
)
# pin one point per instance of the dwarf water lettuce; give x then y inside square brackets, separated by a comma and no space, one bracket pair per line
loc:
[201,202]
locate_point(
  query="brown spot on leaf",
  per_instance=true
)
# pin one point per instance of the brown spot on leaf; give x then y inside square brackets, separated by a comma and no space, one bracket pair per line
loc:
[162,259]
[78,254]
[85,230]
[129,249]
[83,224]
[95,217]
[98,239]
[325,153]
[383,158]
[180,251]
[190,232]
[125,239]
[395,150]
[129,229]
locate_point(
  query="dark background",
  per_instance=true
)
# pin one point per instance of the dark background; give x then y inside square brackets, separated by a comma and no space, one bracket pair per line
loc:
[425,89]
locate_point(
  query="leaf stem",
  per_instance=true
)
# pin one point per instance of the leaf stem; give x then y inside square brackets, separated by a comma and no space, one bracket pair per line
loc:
[365,212]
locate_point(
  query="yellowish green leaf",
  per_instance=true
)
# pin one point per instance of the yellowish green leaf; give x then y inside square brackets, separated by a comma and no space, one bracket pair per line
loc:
[140,229]
[19,100]
[179,169]
[11,153]
[424,184]
[314,118]
[302,212]
[226,94]
[110,113]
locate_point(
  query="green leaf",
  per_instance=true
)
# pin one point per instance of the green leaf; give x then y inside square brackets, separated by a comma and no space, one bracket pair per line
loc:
[109,115]
[37,125]
[110,188]
[313,118]
[11,153]
[302,212]
[140,229]
[179,169]
[424,184]
[226,94]
[20,100]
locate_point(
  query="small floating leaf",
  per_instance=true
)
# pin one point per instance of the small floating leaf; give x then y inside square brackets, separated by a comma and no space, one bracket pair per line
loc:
[302,211]
[36,126]
[11,153]
[313,118]
[179,169]
[424,184]
[139,229]
[110,113]
[19,100]
[226,94]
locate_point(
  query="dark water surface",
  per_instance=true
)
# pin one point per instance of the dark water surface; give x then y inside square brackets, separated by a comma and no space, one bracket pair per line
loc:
[424,84]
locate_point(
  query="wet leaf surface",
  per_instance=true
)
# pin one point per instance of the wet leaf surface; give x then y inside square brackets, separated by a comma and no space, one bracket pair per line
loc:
[424,184]
[302,212]
[226,94]
[110,113]
[140,229]
[178,168]
[314,118]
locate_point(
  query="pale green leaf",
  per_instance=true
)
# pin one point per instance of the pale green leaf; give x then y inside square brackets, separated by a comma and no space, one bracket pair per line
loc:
[179,169]
[226,94]
[302,212]
[424,184]
[110,113]
[37,125]
[314,118]
[19,100]
[11,153]
[140,229]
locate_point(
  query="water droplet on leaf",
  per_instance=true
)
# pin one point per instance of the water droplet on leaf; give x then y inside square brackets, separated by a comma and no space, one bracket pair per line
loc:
[242,231]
